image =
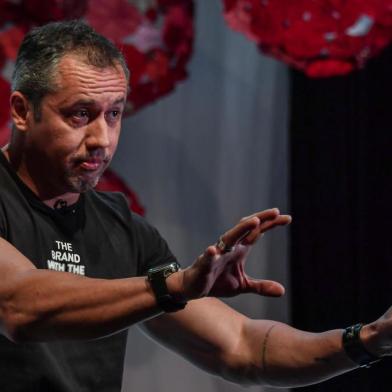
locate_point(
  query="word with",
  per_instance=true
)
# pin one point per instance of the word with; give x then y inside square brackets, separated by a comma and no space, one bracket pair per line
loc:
[63,259]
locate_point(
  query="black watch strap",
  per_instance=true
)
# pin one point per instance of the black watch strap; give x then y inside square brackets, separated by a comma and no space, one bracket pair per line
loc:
[157,277]
[355,349]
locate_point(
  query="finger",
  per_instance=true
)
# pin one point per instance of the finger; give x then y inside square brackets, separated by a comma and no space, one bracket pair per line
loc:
[252,226]
[210,253]
[252,238]
[264,226]
[248,225]
[238,232]
[262,215]
[280,220]
[268,288]
[207,257]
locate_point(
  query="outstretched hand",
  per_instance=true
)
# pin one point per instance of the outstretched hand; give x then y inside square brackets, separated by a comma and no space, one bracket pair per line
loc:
[219,271]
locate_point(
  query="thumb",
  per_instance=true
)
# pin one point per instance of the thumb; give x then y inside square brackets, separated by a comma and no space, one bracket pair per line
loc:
[268,288]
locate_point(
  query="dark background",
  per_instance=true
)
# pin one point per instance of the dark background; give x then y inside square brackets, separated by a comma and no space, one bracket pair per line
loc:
[341,187]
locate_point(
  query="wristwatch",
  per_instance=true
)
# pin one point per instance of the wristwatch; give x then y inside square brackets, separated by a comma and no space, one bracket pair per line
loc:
[355,349]
[157,277]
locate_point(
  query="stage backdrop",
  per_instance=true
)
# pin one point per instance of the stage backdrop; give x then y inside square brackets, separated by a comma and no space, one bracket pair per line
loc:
[341,191]
[214,151]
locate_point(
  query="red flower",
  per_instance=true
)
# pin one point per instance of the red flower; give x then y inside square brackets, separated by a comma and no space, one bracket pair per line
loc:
[5,90]
[156,42]
[3,57]
[327,68]
[137,61]
[158,65]
[5,134]
[4,113]
[337,35]
[44,11]
[10,40]
[115,19]
[177,32]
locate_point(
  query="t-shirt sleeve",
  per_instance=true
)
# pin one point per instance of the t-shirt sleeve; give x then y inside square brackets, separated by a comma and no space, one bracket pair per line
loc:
[153,249]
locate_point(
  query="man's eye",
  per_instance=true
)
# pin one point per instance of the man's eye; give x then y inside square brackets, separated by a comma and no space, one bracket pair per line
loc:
[81,114]
[113,115]
[80,117]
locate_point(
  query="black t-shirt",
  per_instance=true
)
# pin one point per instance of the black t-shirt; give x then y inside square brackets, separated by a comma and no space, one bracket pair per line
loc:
[97,237]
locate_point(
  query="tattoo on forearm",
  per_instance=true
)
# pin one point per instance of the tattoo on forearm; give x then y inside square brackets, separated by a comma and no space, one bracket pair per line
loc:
[265,344]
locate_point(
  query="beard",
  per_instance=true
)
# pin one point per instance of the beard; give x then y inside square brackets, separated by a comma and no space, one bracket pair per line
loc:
[80,180]
[80,184]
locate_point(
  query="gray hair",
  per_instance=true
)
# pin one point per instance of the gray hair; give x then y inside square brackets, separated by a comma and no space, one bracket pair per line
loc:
[42,49]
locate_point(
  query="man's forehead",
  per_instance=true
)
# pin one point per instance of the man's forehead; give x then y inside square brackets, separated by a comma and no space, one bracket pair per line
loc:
[76,101]
[71,64]
[79,80]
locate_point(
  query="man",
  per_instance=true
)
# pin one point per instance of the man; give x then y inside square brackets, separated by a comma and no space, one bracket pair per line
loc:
[77,269]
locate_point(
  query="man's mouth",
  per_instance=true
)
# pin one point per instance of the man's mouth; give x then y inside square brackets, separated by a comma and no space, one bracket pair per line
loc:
[91,164]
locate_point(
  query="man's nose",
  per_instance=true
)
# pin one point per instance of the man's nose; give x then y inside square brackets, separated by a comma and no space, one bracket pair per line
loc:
[98,134]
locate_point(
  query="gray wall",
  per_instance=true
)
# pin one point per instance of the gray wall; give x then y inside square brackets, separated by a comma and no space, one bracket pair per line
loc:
[212,152]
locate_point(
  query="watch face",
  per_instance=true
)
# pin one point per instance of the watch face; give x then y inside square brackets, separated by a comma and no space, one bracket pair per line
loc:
[166,269]
[170,269]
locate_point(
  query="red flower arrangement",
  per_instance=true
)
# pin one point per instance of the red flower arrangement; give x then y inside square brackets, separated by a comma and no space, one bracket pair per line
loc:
[5,89]
[156,37]
[321,37]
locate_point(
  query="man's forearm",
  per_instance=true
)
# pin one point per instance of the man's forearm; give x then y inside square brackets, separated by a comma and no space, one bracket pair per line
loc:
[47,305]
[282,356]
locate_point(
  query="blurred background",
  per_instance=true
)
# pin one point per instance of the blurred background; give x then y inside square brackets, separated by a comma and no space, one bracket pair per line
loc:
[213,151]
[243,105]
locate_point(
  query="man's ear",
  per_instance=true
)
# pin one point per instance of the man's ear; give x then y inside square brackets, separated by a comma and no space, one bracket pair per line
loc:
[21,111]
